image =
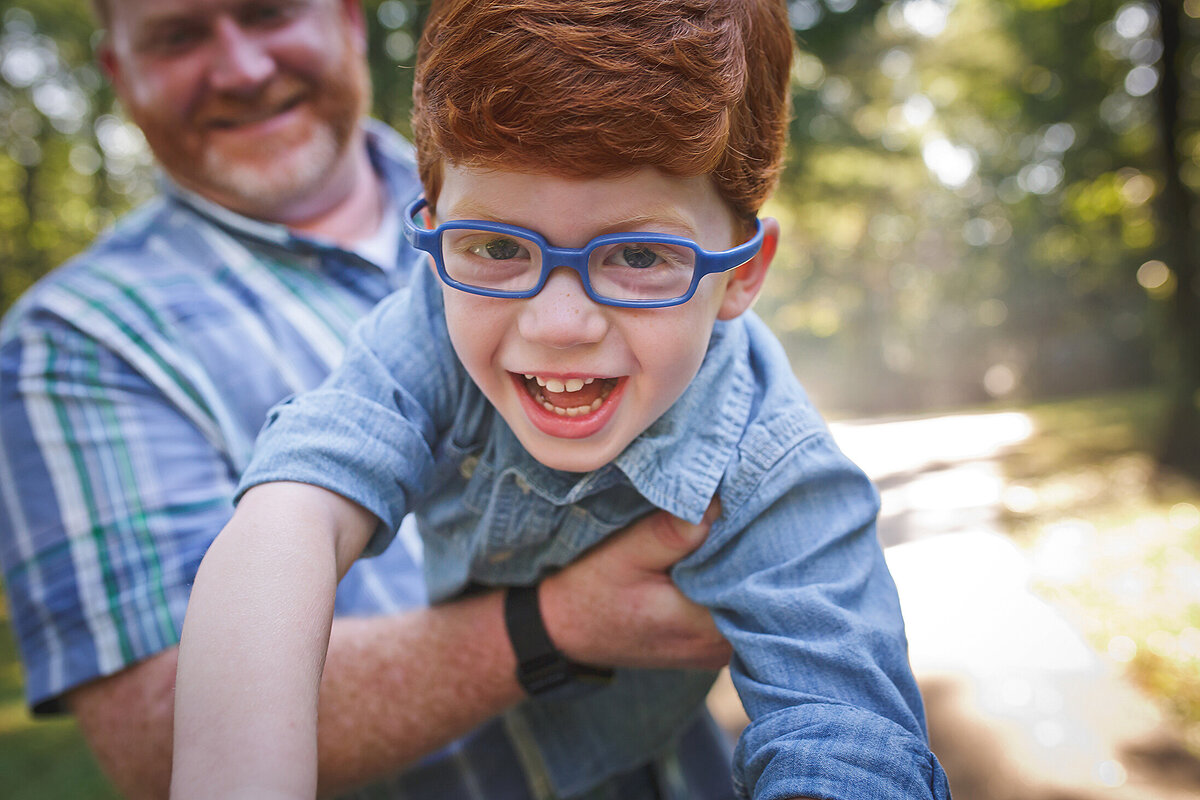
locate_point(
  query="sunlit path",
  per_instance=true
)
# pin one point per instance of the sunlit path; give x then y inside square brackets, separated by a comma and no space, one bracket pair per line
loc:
[935,475]
[1020,706]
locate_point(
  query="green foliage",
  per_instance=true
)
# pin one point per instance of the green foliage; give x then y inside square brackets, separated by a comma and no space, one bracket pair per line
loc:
[974,189]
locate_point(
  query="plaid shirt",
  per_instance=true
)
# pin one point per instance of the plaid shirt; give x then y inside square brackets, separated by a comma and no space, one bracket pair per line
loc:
[133,381]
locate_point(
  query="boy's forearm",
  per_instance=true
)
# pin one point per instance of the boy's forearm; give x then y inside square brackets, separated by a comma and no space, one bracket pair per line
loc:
[253,649]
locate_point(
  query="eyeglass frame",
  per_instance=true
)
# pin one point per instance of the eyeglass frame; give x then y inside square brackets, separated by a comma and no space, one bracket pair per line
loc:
[708,262]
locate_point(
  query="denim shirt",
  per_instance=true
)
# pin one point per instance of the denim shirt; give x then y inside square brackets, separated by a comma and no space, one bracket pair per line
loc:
[792,570]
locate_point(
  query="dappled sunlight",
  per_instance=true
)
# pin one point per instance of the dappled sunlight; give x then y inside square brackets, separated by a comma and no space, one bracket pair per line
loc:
[888,447]
[968,606]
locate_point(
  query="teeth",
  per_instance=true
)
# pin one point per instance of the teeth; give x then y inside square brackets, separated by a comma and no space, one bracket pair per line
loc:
[573,411]
[558,386]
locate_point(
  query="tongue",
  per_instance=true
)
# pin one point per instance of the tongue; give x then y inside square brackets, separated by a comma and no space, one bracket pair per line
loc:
[584,397]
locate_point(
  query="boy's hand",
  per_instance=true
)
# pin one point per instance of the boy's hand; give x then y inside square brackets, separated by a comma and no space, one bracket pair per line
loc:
[618,607]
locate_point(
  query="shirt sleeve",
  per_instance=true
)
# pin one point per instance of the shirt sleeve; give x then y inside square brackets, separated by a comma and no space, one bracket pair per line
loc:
[370,432]
[797,582]
[108,498]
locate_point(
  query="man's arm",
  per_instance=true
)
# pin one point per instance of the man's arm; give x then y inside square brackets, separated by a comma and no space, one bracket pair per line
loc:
[396,688]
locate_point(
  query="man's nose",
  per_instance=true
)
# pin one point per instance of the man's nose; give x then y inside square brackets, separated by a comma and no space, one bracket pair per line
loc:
[562,315]
[240,62]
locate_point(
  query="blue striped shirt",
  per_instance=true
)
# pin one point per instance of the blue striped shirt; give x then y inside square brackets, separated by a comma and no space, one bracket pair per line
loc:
[133,381]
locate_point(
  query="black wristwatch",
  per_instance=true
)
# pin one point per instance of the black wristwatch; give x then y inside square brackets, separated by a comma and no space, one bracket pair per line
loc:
[541,669]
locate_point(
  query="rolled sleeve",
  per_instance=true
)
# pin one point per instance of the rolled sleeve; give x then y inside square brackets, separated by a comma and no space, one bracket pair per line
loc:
[354,446]
[838,751]
[370,431]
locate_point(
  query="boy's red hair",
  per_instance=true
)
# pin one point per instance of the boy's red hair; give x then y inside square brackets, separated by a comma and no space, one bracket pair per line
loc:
[593,87]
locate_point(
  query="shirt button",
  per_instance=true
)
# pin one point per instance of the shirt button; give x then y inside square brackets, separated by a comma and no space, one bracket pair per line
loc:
[522,484]
[500,556]
[467,467]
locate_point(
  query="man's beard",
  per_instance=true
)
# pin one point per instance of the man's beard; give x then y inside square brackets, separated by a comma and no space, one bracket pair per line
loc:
[259,176]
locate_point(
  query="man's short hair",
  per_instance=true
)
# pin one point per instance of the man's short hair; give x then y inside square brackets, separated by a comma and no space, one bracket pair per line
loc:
[594,87]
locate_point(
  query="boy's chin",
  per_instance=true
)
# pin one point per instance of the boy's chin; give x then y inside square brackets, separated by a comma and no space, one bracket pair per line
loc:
[567,455]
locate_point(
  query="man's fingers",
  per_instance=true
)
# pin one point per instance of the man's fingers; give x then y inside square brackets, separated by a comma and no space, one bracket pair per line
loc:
[659,540]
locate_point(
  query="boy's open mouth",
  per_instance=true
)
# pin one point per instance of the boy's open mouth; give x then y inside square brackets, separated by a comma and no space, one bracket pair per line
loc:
[569,397]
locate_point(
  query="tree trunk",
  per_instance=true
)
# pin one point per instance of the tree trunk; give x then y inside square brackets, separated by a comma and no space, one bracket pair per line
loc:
[1180,446]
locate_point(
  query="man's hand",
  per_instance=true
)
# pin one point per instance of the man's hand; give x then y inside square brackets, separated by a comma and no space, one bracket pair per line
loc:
[618,607]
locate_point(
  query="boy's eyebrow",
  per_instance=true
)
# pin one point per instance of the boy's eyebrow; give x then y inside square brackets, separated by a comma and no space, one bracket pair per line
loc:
[656,218]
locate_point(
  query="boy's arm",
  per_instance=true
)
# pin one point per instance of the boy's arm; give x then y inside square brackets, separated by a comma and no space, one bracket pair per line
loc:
[254,643]
[797,582]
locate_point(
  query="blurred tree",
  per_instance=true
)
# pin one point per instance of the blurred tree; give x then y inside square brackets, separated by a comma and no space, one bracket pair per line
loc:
[1179,147]
[67,164]
[966,221]
[982,203]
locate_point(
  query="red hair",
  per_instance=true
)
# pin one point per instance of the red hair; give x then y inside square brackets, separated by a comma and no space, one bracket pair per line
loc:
[593,87]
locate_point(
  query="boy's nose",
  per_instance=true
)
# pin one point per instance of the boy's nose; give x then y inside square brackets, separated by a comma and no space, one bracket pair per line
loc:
[562,315]
[240,62]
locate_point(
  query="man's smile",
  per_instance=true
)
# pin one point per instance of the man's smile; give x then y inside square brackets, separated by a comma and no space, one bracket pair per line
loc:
[230,111]
[251,116]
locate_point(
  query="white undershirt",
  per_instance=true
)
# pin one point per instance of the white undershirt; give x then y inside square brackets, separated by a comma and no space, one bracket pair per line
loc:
[383,246]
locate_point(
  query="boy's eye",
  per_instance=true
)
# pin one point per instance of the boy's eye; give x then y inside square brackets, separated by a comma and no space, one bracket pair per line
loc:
[638,256]
[499,249]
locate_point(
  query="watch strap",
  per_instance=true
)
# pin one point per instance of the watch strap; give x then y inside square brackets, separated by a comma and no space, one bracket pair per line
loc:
[541,668]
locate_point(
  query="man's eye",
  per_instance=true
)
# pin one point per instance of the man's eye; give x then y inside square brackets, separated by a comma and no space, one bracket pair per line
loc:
[172,40]
[260,15]
[638,256]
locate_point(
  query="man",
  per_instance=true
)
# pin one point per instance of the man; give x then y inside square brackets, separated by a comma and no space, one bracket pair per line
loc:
[133,381]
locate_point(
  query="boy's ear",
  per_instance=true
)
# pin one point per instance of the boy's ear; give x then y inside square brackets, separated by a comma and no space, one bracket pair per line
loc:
[745,282]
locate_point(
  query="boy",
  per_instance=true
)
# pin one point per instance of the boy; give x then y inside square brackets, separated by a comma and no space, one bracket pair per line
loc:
[571,377]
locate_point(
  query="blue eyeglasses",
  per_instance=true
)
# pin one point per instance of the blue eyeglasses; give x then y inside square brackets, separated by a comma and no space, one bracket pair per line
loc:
[630,270]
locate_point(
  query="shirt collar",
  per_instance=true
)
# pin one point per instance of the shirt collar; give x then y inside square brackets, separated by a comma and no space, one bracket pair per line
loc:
[678,462]
[391,155]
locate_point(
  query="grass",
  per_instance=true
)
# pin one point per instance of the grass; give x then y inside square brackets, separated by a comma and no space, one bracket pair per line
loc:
[1114,540]
[40,760]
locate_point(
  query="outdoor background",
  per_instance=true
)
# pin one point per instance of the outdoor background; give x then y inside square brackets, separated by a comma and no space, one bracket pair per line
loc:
[988,279]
